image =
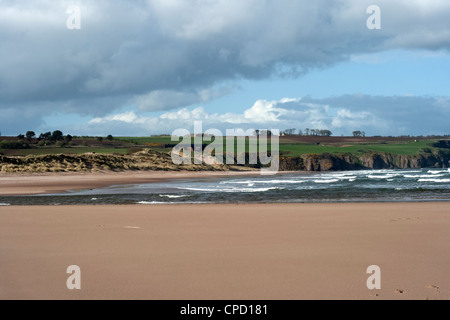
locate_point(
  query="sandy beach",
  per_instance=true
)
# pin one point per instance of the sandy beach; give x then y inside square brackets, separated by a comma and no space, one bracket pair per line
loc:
[298,251]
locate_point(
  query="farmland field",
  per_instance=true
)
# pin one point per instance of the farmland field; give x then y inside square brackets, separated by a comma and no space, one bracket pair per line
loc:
[291,146]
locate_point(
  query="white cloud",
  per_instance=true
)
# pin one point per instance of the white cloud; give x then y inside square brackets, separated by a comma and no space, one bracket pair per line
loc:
[266,112]
[341,115]
[127,117]
[186,115]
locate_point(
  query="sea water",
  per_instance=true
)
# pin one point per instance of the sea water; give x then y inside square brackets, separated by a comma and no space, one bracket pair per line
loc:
[334,187]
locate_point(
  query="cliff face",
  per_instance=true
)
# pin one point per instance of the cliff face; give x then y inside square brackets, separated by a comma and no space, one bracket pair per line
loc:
[342,162]
[389,161]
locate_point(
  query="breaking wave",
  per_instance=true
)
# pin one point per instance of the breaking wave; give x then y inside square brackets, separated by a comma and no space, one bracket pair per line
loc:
[435,180]
[173,196]
[232,190]
[327,181]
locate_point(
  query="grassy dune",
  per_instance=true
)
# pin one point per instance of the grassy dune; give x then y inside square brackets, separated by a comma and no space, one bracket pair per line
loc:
[145,160]
[66,151]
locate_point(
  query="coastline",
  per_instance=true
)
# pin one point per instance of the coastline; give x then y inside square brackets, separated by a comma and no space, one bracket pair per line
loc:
[249,252]
[42,183]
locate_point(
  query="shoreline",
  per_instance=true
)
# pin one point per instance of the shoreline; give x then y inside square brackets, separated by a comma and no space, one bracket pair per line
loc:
[227,252]
[45,183]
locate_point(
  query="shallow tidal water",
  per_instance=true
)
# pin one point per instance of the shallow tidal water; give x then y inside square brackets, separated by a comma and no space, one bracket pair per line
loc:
[334,187]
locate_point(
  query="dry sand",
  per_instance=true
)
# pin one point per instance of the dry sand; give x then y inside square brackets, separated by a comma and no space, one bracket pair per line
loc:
[289,251]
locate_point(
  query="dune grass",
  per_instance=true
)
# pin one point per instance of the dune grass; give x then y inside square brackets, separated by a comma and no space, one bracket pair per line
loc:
[67,151]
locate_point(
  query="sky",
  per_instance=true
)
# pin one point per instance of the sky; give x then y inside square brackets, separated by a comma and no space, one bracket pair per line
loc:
[144,67]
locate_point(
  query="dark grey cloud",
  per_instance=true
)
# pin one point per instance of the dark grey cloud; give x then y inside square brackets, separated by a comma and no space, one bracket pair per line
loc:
[166,53]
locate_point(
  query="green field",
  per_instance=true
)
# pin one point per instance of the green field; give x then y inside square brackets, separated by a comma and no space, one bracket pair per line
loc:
[288,147]
[296,149]
[146,140]
[358,149]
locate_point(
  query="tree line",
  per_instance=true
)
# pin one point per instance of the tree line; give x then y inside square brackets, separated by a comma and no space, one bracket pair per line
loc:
[51,137]
[56,137]
[308,132]
[318,133]
[361,134]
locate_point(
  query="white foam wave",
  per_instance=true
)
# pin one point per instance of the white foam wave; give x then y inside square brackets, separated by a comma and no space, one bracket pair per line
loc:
[4,204]
[233,190]
[327,181]
[433,176]
[172,196]
[425,176]
[366,172]
[152,202]
[253,182]
[351,178]
[387,176]
[168,203]
[438,171]
[435,180]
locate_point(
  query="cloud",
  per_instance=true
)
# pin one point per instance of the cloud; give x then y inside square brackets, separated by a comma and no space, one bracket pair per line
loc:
[266,112]
[162,55]
[127,117]
[376,115]
[171,99]
[347,119]
[166,54]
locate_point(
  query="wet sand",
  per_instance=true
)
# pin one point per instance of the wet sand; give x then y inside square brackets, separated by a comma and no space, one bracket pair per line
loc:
[28,184]
[287,251]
